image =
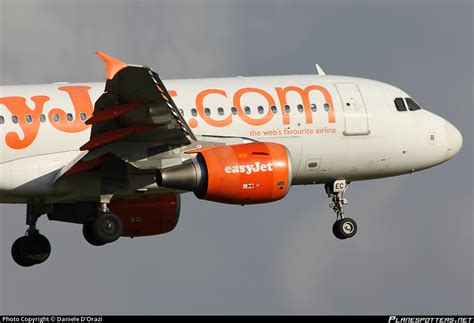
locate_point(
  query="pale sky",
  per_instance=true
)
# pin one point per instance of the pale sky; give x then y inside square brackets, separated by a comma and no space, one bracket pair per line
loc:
[413,253]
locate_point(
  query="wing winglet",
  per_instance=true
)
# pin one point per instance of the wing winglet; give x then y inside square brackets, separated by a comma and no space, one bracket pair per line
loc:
[319,70]
[112,65]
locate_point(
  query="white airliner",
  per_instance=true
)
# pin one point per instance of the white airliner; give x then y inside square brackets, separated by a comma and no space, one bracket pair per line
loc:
[116,161]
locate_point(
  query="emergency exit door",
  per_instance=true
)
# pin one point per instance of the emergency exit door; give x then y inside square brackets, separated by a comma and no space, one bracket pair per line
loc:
[355,112]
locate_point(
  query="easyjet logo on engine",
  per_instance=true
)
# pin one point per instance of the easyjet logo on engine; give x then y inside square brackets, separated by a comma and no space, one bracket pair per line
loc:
[256,167]
[29,117]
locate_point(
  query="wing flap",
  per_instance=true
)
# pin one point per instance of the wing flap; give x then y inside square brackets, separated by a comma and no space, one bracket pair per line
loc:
[114,112]
[85,165]
[114,135]
[135,122]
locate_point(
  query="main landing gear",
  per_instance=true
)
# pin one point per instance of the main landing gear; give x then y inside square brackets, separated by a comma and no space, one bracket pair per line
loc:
[33,248]
[104,228]
[343,228]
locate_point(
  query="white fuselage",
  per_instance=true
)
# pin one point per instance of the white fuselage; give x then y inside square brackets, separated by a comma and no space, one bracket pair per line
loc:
[354,132]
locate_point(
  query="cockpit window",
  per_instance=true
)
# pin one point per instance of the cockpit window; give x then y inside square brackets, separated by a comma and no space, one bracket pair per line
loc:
[400,104]
[412,105]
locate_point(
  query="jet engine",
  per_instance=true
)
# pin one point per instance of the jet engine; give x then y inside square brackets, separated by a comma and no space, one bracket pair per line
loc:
[251,173]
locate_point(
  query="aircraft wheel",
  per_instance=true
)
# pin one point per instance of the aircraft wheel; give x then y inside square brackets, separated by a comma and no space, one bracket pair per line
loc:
[335,230]
[106,228]
[36,248]
[88,235]
[344,228]
[31,250]
[17,254]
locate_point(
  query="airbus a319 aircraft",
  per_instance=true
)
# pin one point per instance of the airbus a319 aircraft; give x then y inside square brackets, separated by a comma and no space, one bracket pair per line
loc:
[117,160]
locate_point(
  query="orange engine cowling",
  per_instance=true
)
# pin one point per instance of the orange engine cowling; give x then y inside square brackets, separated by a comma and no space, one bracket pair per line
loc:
[147,215]
[251,173]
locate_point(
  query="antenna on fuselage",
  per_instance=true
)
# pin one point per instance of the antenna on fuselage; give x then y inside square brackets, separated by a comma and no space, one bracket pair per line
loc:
[319,70]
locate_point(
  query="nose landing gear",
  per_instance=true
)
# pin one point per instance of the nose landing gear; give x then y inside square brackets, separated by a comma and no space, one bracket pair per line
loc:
[343,228]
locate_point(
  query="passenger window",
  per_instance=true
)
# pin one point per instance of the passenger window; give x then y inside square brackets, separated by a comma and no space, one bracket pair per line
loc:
[14,119]
[83,116]
[326,107]
[274,109]
[260,109]
[194,112]
[207,111]
[287,108]
[220,111]
[412,105]
[300,108]
[56,117]
[247,110]
[234,110]
[2,120]
[400,104]
[28,118]
[313,107]
[69,117]
[43,118]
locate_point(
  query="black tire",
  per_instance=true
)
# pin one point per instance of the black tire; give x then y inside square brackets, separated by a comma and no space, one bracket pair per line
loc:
[17,254]
[346,228]
[31,250]
[35,248]
[87,232]
[336,230]
[106,227]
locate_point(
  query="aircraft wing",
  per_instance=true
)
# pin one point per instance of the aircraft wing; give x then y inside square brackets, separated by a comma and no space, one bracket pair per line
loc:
[135,118]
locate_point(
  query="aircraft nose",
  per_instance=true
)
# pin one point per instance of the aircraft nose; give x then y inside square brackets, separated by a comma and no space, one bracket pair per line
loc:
[454,140]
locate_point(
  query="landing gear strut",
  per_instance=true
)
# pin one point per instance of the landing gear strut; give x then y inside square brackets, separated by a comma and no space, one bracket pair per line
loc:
[33,248]
[343,228]
[104,228]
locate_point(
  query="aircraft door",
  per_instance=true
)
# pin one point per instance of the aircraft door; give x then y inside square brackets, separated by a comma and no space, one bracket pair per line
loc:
[355,112]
